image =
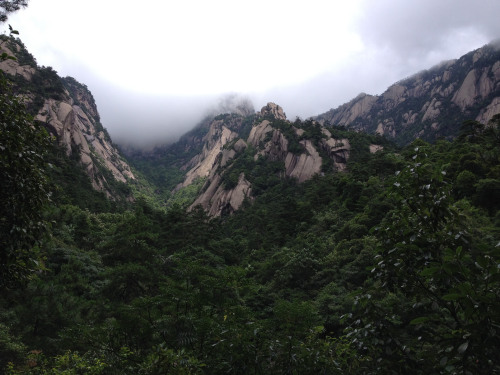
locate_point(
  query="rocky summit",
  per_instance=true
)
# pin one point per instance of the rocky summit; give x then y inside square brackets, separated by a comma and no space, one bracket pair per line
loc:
[429,104]
[299,150]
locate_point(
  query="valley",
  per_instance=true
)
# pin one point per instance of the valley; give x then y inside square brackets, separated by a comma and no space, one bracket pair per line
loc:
[364,240]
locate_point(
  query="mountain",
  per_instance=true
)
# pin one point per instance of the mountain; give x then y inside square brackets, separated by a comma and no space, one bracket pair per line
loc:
[236,157]
[232,157]
[69,112]
[355,256]
[429,104]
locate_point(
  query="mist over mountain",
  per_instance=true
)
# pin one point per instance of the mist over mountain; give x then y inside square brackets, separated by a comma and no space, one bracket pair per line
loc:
[429,104]
[300,59]
[145,121]
[232,103]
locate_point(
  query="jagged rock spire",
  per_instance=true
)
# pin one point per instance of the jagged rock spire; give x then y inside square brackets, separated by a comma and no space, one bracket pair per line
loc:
[274,110]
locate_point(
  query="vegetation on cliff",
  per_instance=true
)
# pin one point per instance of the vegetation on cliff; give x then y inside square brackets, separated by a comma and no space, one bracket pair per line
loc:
[391,266]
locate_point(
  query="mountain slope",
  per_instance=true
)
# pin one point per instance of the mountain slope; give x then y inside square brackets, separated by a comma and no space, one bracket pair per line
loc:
[242,156]
[430,104]
[235,157]
[68,111]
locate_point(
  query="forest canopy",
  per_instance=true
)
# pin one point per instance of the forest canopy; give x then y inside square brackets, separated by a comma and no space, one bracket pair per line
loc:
[389,267]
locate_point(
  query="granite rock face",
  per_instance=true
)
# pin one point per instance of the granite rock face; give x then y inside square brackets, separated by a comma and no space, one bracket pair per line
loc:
[78,132]
[13,67]
[430,104]
[72,118]
[203,163]
[274,110]
[270,137]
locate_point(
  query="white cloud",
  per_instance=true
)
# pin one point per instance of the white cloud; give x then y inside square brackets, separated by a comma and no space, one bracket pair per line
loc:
[307,56]
[191,47]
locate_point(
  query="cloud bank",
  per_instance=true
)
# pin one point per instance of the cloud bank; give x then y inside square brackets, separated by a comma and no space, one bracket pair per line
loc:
[156,70]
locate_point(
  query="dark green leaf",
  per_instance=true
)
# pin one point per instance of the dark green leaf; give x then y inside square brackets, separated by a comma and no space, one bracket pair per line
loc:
[419,320]
[451,297]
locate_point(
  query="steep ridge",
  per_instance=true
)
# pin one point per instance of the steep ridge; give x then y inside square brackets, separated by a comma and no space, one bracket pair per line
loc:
[241,153]
[68,111]
[78,129]
[430,104]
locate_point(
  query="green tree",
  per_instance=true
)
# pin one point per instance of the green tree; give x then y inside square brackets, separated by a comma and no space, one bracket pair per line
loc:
[435,303]
[23,187]
[9,6]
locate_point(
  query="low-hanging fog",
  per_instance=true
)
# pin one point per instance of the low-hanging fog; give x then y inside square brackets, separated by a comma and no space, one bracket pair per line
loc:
[142,120]
[146,120]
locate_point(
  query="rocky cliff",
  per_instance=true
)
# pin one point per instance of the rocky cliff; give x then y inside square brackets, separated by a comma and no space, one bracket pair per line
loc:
[430,104]
[68,110]
[241,153]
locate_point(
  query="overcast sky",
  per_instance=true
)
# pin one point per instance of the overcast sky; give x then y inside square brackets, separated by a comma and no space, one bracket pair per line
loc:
[156,67]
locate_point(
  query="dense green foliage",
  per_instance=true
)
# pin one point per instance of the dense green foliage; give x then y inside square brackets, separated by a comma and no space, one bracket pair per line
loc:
[23,187]
[390,267]
[69,184]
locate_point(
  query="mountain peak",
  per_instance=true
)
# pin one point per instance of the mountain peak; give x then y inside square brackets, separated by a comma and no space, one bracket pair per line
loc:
[430,104]
[242,156]
[274,110]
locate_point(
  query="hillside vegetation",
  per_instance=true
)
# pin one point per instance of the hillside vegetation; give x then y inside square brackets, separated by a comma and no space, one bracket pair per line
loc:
[254,245]
[389,267]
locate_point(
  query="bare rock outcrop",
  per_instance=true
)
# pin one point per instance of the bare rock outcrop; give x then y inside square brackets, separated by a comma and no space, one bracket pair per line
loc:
[71,115]
[76,132]
[489,111]
[338,150]
[274,110]
[427,103]
[470,88]
[229,179]
[305,165]
[349,112]
[216,200]
[13,68]
[276,149]
[376,148]
[259,133]
[431,110]
[395,95]
[203,163]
